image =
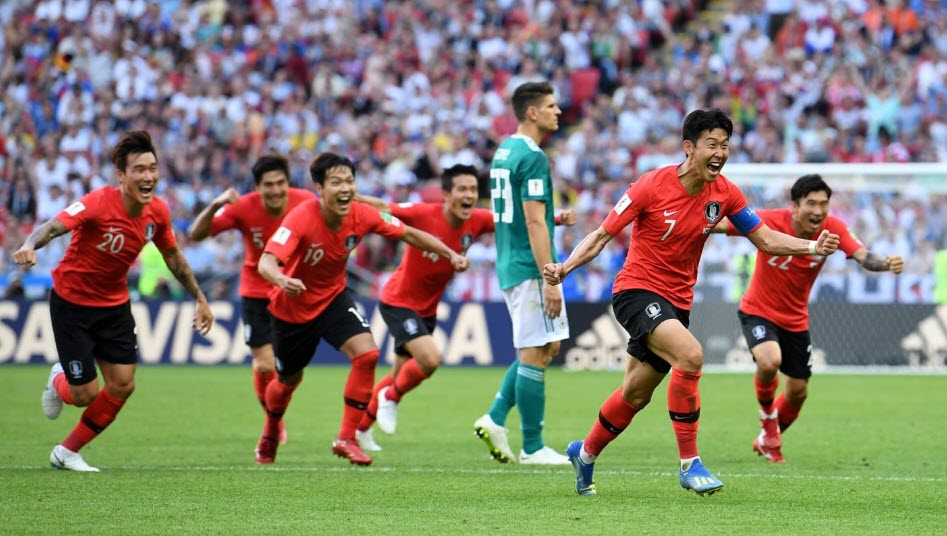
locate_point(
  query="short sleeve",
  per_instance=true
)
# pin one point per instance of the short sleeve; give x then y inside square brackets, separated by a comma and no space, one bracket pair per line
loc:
[284,241]
[164,234]
[628,207]
[224,219]
[534,177]
[79,212]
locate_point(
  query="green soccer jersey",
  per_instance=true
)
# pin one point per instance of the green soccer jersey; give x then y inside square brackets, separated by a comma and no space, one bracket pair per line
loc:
[519,172]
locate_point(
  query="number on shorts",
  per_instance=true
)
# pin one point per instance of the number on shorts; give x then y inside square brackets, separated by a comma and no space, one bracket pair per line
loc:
[359,316]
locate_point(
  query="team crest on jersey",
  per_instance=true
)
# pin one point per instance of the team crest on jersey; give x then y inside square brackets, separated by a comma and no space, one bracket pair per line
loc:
[150,231]
[351,241]
[653,310]
[712,212]
[75,368]
[759,332]
[465,241]
[411,326]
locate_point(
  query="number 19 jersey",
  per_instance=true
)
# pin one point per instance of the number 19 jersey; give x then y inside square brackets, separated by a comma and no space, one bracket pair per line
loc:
[519,172]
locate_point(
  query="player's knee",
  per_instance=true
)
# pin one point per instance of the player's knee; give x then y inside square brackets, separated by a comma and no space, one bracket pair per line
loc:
[428,363]
[691,359]
[768,365]
[636,398]
[84,397]
[122,390]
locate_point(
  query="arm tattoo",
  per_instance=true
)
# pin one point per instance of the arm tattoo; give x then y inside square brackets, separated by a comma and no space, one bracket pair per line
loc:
[46,232]
[177,263]
[874,263]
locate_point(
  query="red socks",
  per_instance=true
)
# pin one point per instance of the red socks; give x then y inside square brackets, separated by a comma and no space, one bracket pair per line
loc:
[614,416]
[278,396]
[62,389]
[788,412]
[409,377]
[369,419]
[260,381]
[684,409]
[358,392]
[95,419]
[766,392]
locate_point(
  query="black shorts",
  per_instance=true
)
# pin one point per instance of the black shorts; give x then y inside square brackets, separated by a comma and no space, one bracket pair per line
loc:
[257,322]
[405,325]
[295,344]
[795,346]
[640,312]
[84,334]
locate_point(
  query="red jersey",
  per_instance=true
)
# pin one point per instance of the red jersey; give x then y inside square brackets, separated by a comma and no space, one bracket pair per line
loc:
[780,286]
[105,243]
[317,255]
[256,225]
[419,281]
[671,227]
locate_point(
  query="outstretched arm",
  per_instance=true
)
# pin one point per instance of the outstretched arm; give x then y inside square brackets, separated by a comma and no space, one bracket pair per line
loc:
[776,243]
[376,202]
[588,249]
[875,263]
[176,262]
[200,229]
[26,255]
[428,242]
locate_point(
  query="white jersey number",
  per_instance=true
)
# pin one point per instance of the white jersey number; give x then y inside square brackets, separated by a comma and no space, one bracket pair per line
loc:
[501,191]
[112,242]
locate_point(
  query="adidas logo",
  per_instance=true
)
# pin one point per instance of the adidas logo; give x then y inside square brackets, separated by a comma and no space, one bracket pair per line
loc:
[601,347]
[926,346]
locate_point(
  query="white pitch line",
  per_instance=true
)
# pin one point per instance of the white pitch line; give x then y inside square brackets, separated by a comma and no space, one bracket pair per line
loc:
[512,469]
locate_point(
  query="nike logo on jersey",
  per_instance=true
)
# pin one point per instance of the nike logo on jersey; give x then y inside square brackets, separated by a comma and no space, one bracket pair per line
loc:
[115,229]
[669,213]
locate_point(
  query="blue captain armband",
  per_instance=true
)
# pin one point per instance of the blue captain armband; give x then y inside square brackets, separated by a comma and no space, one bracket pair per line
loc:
[745,221]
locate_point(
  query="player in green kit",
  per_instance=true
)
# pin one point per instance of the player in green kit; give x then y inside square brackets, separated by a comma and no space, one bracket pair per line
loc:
[521,194]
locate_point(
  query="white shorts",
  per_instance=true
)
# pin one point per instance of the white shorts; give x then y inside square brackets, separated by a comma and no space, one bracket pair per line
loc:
[531,327]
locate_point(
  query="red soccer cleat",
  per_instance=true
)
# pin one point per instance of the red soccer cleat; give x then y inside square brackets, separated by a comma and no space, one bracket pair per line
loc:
[349,449]
[266,450]
[772,437]
[772,454]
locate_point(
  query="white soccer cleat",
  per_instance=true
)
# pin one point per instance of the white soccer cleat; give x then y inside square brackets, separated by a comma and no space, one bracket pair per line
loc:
[52,404]
[386,417]
[544,456]
[367,440]
[495,437]
[63,458]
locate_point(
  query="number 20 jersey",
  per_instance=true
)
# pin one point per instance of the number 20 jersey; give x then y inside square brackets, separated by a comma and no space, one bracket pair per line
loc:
[105,243]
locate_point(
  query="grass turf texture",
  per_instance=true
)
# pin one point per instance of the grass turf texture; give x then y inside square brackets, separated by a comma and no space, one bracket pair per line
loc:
[866,457]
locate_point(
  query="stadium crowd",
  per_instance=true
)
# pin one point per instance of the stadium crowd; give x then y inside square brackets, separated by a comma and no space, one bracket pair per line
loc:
[409,88]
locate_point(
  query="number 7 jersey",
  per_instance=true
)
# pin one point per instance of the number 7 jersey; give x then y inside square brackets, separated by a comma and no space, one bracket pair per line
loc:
[519,172]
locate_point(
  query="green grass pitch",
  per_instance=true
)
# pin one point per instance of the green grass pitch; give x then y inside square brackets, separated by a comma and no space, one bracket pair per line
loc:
[868,456]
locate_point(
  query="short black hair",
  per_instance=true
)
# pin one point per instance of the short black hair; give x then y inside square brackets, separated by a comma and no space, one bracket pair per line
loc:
[807,184]
[267,163]
[700,121]
[529,94]
[326,161]
[135,142]
[447,178]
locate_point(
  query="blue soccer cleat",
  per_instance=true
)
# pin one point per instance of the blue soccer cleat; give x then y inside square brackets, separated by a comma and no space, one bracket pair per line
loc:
[699,479]
[583,471]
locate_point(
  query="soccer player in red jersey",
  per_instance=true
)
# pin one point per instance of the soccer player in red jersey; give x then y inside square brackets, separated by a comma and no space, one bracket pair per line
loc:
[310,302]
[673,209]
[256,215]
[89,303]
[774,312]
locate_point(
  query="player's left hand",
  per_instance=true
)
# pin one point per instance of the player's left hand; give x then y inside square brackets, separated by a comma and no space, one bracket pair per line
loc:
[827,243]
[567,217]
[203,318]
[895,263]
[459,262]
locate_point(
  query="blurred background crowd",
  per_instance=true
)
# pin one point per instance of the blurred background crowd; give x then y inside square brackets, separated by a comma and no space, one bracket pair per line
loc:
[409,88]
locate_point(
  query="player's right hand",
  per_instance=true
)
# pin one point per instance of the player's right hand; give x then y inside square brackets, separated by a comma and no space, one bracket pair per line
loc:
[552,273]
[827,243]
[25,256]
[552,300]
[459,262]
[293,287]
[230,195]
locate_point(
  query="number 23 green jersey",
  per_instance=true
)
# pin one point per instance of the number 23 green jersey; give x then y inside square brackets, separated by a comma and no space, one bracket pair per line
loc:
[519,172]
